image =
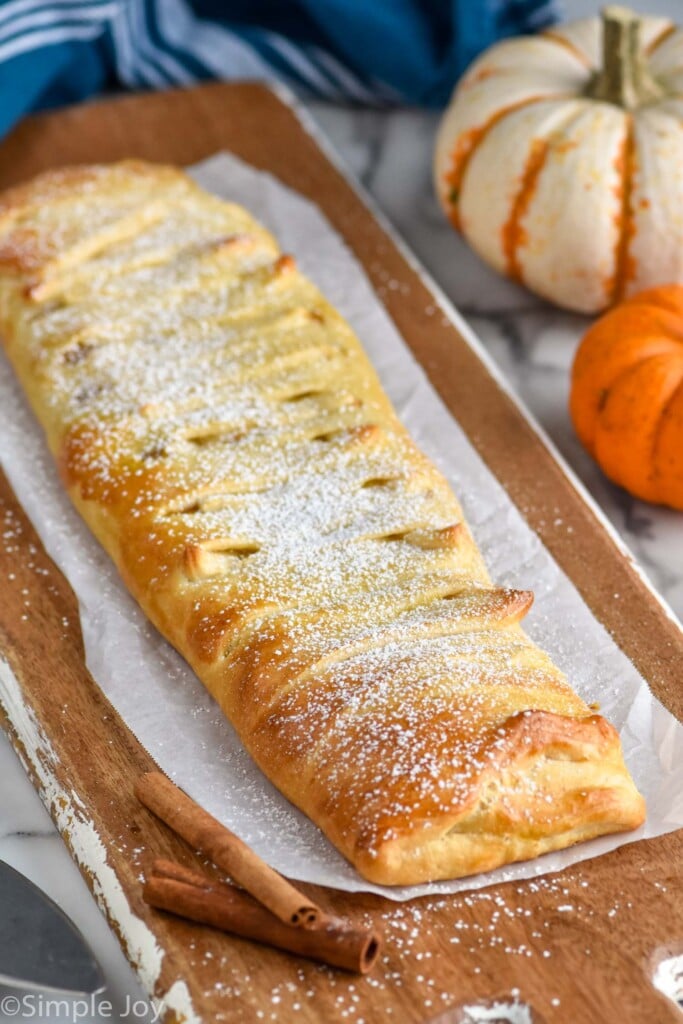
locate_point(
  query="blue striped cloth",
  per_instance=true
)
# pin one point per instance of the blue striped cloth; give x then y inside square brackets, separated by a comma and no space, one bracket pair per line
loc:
[365,51]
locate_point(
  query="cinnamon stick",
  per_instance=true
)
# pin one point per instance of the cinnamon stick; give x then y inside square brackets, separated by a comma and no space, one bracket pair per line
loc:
[181,891]
[226,850]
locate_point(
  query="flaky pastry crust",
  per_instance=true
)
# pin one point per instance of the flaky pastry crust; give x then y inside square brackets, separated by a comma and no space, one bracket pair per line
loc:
[220,429]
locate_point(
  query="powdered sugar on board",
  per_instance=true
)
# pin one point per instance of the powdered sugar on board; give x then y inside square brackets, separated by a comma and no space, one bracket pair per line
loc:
[166,706]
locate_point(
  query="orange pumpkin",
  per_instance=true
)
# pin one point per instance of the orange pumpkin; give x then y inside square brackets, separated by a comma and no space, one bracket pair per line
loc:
[627,394]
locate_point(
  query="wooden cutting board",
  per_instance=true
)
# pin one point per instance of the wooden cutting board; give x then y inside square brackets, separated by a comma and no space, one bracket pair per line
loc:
[579,946]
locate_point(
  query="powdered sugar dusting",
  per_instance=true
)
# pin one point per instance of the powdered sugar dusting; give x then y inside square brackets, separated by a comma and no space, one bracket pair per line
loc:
[242,798]
[183,368]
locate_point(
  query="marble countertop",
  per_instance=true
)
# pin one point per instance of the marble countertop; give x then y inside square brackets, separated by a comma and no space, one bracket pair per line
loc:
[532,344]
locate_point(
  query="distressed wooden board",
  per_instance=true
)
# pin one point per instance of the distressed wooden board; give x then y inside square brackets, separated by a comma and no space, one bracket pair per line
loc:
[590,963]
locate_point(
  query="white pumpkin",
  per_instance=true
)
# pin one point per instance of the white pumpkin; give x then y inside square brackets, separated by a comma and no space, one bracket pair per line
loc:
[560,158]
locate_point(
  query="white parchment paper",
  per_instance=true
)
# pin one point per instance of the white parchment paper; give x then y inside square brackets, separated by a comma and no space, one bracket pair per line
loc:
[164,703]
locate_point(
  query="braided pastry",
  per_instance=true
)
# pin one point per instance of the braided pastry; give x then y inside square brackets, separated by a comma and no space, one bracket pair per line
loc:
[221,431]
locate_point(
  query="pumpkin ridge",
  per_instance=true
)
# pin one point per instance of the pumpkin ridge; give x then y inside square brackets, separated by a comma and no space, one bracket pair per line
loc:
[662,416]
[594,374]
[638,461]
[513,233]
[568,45]
[624,263]
[467,144]
[667,31]
[667,298]
[625,371]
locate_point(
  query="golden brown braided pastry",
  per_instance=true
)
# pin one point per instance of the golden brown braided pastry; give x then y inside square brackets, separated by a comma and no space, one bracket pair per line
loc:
[220,429]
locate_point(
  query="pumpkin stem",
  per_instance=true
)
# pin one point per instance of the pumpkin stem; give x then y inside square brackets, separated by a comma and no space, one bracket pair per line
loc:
[624,78]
